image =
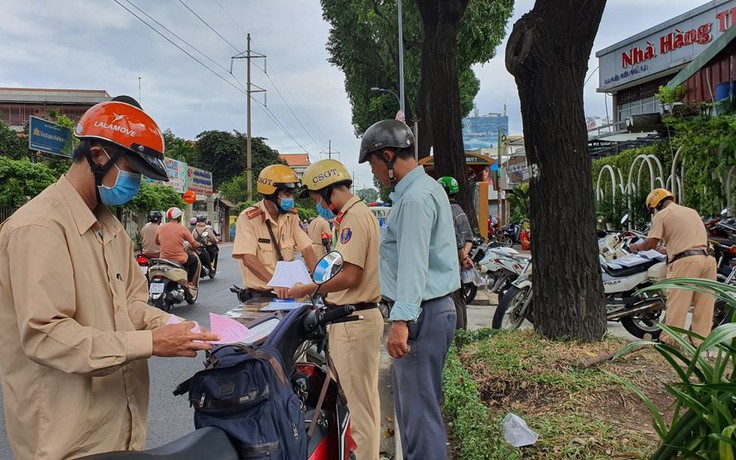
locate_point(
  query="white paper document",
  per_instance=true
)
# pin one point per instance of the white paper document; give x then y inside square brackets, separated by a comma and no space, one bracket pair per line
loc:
[287,274]
[282,305]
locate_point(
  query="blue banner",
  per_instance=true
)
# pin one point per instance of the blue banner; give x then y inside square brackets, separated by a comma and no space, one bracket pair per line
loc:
[47,137]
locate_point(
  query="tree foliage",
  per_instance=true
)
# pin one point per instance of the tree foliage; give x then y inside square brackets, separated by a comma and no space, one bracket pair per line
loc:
[363,44]
[180,149]
[224,154]
[369,195]
[21,179]
[11,145]
[153,197]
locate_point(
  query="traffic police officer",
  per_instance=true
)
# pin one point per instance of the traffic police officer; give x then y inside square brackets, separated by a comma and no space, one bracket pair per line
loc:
[686,240]
[269,231]
[355,346]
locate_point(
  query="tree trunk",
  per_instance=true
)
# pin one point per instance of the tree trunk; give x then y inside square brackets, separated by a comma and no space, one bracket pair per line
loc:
[548,53]
[439,80]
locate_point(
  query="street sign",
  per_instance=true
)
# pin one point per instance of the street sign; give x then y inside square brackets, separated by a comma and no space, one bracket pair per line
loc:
[200,181]
[47,137]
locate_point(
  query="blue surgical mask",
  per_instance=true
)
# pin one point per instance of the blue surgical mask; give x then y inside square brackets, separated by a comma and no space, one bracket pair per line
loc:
[326,213]
[286,203]
[125,188]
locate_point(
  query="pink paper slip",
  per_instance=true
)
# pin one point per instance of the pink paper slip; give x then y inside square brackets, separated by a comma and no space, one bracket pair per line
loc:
[229,330]
[174,320]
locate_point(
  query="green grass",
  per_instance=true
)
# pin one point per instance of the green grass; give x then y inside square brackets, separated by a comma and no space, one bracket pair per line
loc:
[579,414]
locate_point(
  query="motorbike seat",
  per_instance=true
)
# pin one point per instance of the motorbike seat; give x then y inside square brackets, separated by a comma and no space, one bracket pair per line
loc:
[629,271]
[208,442]
[171,263]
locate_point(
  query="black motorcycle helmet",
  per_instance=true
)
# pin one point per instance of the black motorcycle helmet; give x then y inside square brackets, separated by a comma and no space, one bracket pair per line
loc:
[201,218]
[155,217]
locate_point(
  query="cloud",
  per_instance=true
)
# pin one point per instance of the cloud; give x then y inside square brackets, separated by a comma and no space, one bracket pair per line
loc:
[98,45]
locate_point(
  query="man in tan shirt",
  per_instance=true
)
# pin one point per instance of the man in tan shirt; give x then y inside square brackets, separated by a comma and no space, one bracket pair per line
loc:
[75,328]
[686,240]
[171,236]
[149,247]
[272,218]
[355,346]
[318,229]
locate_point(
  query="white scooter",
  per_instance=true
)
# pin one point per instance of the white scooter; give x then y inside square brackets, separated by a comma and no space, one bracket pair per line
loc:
[621,278]
[168,286]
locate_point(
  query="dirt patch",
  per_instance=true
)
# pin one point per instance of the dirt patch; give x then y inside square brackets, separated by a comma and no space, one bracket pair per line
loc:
[579,413]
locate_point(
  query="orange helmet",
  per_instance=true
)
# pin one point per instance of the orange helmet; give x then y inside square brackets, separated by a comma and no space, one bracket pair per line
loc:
[129,127]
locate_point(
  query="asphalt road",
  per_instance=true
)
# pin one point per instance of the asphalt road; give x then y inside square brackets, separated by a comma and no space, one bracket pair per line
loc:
[171,417]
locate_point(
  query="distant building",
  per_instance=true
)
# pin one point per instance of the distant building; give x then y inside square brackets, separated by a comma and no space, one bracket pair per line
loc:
[299,162]
[18,104]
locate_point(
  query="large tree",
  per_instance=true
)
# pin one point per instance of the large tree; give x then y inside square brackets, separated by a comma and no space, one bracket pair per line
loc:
[548,53]
[223,153]
[363,44]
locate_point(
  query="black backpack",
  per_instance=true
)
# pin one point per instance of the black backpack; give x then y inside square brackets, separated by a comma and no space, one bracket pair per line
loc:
[245,392]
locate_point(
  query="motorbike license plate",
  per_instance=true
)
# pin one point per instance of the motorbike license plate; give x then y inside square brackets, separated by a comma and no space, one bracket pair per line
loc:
[144,270]
[156,288]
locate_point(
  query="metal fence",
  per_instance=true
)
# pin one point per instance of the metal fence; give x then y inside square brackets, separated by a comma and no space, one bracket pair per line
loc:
[6,211]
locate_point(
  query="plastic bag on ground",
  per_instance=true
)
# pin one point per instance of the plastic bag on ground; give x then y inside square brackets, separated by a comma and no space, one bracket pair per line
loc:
[517,432]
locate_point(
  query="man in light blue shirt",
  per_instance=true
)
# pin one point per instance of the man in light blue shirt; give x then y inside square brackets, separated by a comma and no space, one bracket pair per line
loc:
[419,270]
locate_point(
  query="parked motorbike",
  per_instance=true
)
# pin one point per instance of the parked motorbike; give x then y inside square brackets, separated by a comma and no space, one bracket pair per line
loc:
[207,250]
[168,284]
[291,334]
[639,315]
[510,234]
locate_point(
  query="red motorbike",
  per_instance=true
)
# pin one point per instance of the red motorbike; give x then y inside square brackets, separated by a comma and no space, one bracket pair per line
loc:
[295,334]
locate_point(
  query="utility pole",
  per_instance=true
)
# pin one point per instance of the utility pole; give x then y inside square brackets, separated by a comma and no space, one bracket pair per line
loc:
[248,56]
[329,152]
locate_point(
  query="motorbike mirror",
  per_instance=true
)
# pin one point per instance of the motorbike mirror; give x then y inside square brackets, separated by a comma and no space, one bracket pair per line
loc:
[724,213]
[327,267]
[625,219]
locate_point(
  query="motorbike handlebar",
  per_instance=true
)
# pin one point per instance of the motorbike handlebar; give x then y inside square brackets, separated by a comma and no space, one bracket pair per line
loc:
[335,314]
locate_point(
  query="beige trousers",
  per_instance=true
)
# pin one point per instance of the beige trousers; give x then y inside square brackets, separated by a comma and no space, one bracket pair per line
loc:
[355,348]
[679,300]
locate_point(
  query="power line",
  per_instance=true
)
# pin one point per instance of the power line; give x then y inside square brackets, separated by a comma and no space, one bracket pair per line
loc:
[590,76]
[230,17]
[186,42]
[211,28]
[180,48]
[273,117]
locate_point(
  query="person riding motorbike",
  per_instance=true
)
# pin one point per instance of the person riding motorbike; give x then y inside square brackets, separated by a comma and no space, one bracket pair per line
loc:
[209,242]
[149,248]
[171,236]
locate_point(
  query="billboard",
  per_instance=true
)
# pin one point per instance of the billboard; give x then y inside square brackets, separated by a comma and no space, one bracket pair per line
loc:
[47,137]
[200,181]
[666,46]
[482,132]
[178,175]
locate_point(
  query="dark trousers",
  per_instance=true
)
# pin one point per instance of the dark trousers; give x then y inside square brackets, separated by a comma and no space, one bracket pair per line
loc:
[417,381]
[191,266]
[204,257]
[461,309]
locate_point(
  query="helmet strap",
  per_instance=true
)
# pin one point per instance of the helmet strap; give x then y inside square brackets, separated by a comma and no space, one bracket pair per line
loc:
[274,198]
[326,194]
[390,166]
[100,170]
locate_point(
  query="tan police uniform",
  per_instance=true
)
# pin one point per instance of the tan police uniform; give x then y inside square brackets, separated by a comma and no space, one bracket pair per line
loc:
[148,240]
[317,227]
[74,330]
[681,229]
[252,237]
[356,346]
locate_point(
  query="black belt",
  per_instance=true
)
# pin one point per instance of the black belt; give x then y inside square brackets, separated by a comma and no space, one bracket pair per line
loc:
[688,253]
[358,306]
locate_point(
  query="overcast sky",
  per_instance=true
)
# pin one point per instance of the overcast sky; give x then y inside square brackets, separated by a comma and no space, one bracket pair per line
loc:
[96,44]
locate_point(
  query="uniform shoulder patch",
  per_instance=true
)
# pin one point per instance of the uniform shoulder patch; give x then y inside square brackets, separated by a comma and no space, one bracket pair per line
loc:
[253,212]
[345,235]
